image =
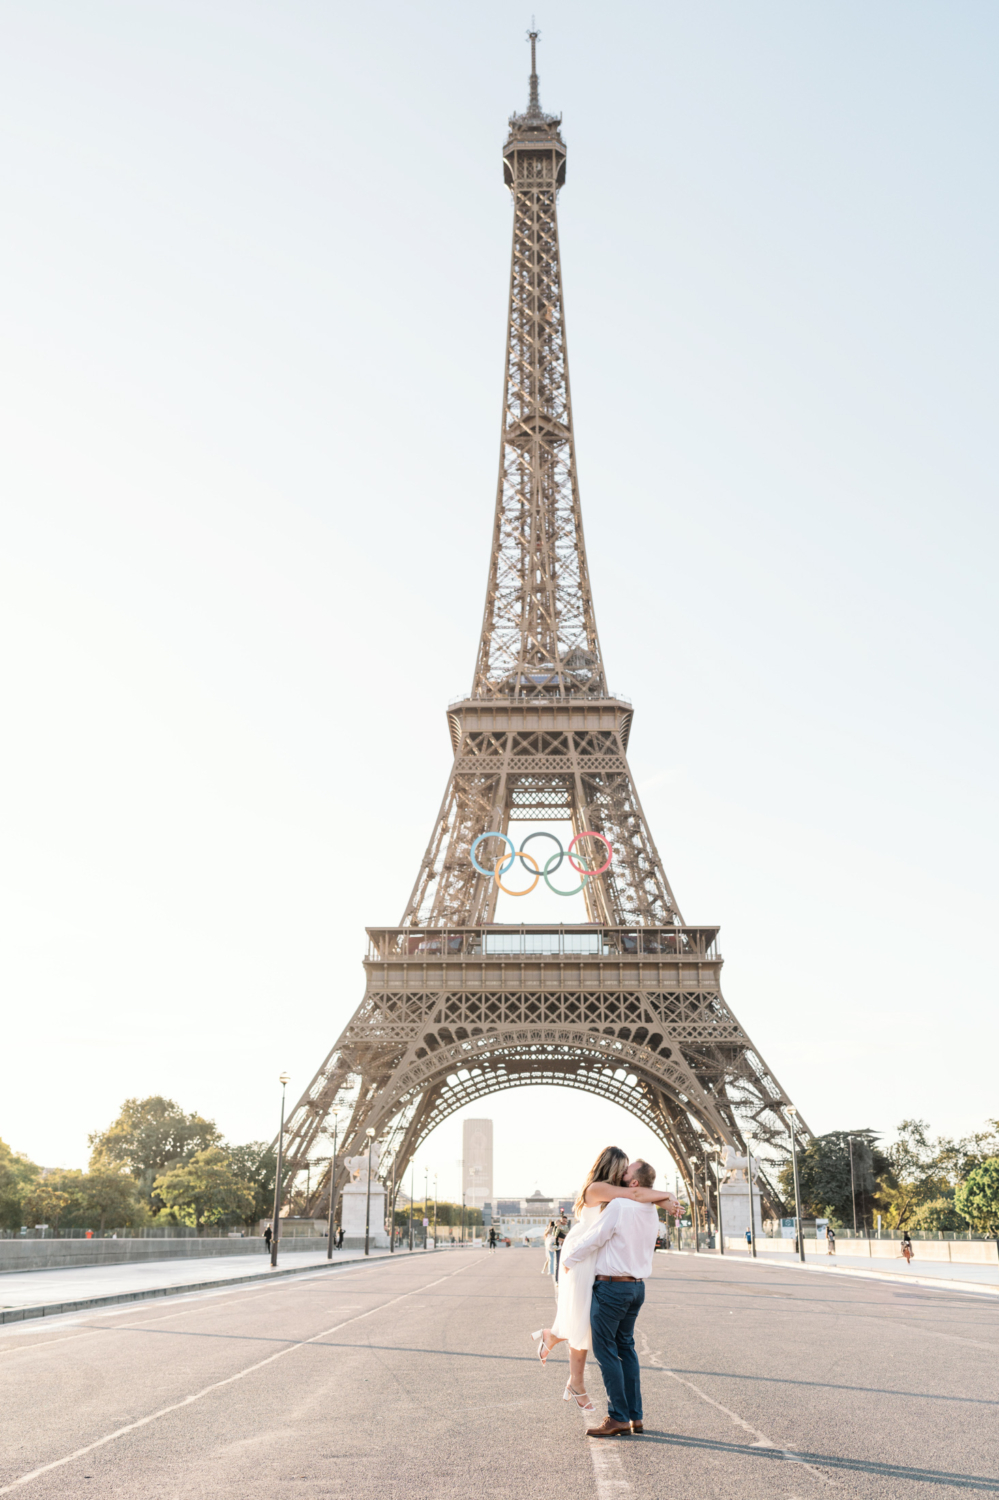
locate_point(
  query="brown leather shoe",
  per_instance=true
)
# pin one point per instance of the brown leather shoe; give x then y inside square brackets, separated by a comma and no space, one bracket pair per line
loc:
[637,1427]
[609,1428]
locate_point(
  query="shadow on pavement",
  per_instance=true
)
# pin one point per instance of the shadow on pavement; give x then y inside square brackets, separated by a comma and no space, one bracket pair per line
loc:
[825,1461]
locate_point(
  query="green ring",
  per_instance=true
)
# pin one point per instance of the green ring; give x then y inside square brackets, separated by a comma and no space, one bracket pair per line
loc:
[544,876]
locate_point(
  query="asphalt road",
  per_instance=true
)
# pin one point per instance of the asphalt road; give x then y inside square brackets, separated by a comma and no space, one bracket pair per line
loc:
[415,1377]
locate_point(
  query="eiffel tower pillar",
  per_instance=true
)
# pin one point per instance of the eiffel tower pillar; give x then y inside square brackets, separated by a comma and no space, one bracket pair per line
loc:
[629,1005]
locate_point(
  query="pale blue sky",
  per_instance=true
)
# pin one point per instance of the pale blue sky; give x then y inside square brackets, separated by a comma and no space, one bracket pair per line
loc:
[253,290]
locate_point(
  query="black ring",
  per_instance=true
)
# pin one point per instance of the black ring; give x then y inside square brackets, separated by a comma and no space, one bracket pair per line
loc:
[541,834]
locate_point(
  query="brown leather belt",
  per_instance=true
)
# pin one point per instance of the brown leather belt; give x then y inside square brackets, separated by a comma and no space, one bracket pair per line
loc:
[617,1278]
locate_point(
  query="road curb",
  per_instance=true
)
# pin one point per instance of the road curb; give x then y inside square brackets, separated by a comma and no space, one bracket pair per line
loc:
[53,1309]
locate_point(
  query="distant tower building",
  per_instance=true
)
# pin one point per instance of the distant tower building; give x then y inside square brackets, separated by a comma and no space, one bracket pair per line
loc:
[477,1162]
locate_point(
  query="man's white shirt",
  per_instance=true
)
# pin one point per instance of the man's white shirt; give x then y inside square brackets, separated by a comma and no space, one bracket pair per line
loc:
[624,1238]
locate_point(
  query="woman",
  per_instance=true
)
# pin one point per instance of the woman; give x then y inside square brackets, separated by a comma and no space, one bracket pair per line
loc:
[907,1247]
[575,1287]
[549,1267]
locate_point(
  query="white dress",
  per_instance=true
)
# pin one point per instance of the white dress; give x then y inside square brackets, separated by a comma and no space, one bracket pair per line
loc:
[575,1287]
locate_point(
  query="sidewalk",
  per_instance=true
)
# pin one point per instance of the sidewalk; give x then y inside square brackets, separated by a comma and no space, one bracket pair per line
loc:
[32,1294]
[920,1273]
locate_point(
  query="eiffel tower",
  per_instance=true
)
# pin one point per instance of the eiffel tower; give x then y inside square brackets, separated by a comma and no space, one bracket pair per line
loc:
[627,1005]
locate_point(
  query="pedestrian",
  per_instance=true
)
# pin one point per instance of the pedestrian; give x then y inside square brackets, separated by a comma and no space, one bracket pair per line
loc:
[339,1237]
[560,1228]
[549,1264]
[749,1238]
[267,1236]
[907,1247]
[492,1240]
[624,1239]
[830,1240]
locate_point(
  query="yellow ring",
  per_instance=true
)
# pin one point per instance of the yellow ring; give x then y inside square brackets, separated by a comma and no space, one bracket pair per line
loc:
[502,860]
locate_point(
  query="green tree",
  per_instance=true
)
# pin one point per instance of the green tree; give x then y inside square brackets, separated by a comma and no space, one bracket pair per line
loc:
[977,1197]
[111,1200]
[148,1138]
[43,1203]
[255,1164]
[957,1158]
[448,1216]
[916,1175]
[824,1176]
[205,1189]
[940,1214]
[17,1175]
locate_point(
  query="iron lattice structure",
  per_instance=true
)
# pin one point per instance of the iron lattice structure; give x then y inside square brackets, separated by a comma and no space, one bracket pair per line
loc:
[628,1005]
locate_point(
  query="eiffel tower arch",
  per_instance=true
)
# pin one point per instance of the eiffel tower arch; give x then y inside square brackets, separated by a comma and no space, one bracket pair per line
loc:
[627,1005]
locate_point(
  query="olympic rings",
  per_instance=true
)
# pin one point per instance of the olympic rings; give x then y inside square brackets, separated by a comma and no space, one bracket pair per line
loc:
[481,838]
[554,862]
[591,834]
[530,888]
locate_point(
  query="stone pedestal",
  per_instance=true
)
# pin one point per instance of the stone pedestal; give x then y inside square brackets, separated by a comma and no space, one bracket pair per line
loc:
[354,1203]
[734,1200]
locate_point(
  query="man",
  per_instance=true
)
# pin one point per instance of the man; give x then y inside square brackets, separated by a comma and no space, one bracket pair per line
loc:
[492,1239]
[624,1237]
[267,1237]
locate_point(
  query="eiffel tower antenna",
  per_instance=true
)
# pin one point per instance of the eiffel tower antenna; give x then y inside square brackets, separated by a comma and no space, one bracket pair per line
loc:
[533,103]
[627,1005]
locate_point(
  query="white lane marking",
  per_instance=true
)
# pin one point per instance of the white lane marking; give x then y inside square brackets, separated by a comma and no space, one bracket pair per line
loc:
[216,1385]
[605,1456]
[762,1441]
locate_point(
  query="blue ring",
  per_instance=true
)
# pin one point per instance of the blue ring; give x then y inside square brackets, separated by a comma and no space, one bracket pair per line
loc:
[507,842]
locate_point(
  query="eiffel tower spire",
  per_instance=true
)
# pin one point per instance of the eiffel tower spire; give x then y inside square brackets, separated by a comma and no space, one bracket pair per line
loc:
[628,1005]
[539,635]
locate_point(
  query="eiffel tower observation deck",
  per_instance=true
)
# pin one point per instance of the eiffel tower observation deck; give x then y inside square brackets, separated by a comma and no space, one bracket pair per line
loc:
[627,1005]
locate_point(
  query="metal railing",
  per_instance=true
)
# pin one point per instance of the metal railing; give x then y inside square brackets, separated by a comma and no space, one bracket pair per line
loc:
[576,941]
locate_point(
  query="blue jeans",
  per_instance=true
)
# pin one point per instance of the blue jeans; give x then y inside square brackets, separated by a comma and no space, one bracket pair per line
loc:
[615,1306]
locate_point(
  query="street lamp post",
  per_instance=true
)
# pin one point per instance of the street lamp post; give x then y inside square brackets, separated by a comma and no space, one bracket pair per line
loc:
[853,1188]
[435,1210]
[752,1209]
[412,1190]
[711,1151]
[367,1202]
[426,1195]
[463,1218]
[695,1216]
[284,1080]
[392,1213]
[679,1213]
[329,1227]
[792,1111]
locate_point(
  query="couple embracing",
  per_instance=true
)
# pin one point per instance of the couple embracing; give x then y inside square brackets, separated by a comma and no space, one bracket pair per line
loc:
[606,1258]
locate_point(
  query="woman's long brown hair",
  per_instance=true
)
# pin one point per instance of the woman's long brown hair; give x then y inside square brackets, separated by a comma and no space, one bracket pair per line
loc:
[610,1166]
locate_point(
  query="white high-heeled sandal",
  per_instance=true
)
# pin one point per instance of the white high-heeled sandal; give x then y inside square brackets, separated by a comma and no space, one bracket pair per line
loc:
[539,1334]
[581,1399]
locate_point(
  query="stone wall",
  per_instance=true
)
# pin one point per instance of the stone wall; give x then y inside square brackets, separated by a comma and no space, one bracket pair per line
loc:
[38,1255]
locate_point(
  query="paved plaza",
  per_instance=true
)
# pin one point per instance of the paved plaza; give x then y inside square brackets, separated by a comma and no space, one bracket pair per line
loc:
[414,1376]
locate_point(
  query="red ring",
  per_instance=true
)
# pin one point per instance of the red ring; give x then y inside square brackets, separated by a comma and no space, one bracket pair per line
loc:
[591,833]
